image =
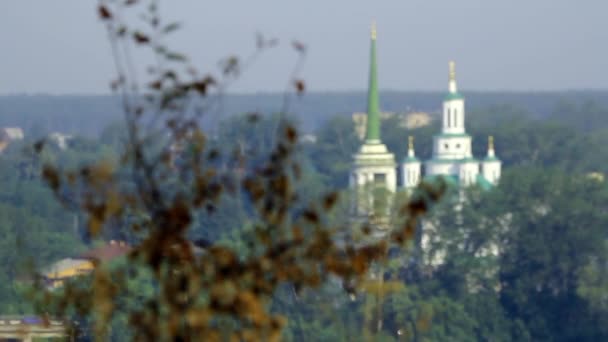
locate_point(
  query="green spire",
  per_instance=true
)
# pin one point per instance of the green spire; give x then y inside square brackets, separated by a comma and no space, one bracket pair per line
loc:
[373,102]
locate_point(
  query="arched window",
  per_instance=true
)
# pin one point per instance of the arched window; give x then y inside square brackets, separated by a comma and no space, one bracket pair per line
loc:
[455,117]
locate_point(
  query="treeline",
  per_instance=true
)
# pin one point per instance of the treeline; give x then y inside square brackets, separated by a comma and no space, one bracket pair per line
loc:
[87,115]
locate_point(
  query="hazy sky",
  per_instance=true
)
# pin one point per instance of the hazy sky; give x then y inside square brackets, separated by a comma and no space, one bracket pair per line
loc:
[60,46]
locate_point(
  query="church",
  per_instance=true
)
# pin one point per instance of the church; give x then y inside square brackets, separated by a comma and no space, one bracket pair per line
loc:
[375,167]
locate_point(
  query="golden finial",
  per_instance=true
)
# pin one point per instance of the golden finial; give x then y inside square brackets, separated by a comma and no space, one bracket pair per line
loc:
[490,142]
[452,70]
[374,30]
[410,143]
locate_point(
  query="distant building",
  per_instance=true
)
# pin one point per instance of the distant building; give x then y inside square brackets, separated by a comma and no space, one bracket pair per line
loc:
[410,120]
[32,328]
[417,120]
[56,274]
[309,139]
[11,133]
[360,122]
[8,135]
[110,251]
[60,139]
[597,176]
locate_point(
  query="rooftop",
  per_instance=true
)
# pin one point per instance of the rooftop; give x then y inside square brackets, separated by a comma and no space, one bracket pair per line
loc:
[107,252]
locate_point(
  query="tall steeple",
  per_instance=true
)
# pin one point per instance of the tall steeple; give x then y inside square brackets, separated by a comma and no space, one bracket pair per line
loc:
[373,101]
[453,106]
[374,173]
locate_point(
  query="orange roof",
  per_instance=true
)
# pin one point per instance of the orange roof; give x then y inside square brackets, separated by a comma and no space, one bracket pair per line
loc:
[107,252]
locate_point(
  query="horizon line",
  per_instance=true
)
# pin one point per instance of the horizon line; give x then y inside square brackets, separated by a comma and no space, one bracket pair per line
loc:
[335,91]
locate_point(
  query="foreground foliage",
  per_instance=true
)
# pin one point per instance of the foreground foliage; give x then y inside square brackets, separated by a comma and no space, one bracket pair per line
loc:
[169,174]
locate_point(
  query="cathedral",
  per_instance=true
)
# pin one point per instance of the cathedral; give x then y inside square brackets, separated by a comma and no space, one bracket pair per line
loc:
[375,168]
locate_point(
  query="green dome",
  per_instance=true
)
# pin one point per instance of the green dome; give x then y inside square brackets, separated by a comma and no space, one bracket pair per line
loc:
[483,183]
[411,160]
[454,96]
[452,181]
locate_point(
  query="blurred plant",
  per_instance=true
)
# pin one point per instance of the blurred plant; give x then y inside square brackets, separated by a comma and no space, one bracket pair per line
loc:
[168,172]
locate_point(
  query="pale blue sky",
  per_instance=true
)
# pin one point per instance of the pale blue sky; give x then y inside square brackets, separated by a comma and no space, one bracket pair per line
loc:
[60,46]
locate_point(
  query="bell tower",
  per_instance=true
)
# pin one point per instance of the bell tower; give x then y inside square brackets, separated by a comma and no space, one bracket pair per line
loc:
[453,106]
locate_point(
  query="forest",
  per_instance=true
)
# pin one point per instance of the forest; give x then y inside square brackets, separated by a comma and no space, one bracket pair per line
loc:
[547,216]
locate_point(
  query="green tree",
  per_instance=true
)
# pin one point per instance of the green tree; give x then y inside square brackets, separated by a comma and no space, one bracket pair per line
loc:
[555,229]
[332,154]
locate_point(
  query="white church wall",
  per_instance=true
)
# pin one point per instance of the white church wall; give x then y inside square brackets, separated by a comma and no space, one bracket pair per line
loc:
[453,116]
[364,179]
[410,174]
[447,147]
[441,169]
[468,173]
[491,171]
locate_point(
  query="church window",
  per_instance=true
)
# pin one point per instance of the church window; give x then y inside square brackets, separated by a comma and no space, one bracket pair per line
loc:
[445,146]
[457,146]
[449,118]
[455,117]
